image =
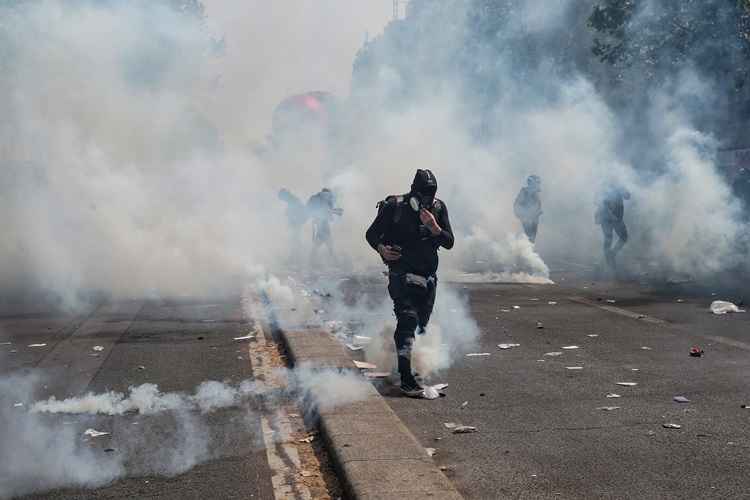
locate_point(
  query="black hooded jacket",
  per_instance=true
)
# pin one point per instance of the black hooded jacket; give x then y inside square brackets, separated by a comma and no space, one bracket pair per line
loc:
[398,224]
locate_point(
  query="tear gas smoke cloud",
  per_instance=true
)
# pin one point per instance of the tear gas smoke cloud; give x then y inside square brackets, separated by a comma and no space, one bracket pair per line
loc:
[452,331]
[142,180]
[40,452]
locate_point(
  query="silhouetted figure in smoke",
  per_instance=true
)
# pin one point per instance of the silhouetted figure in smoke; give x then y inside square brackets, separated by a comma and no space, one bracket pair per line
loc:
[741,190]
[322,207]
[609,215]
[296,216]
[407,233]
[528,206]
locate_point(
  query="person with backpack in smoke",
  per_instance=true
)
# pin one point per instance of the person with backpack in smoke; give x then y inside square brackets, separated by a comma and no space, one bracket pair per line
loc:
[296,216]
[322,207]
[407,233]
[610,216]
[528,206]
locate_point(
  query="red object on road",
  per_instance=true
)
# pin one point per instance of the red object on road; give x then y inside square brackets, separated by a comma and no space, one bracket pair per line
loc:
[696,351]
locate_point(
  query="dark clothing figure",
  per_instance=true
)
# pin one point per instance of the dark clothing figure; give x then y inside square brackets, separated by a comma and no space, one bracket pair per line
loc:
[741,190]
[322,208]
[296,216]
[528,207]
[610,216]
[296,212]
[412,274]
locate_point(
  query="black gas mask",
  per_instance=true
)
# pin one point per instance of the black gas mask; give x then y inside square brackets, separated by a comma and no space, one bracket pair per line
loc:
[423,189]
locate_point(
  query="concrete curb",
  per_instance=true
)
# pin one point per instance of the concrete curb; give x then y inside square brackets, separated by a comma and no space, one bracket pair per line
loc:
[375,455]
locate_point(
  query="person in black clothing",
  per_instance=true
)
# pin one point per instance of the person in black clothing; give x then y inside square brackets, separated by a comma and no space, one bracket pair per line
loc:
[322,207]
[407,233]
[610,216]
[296,215]
[528,206]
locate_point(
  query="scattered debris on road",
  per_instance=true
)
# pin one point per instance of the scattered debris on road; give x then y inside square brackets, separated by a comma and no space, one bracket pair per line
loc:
[309,439]
[37,345]
[353,347]
[627,384]
[539,325]
[574,368]
[94,433]
[696,351]
[516,307]
[477,354]
[98,348]
[592,335]
[723,307]
[431,451]
[17,405]
[464,404]
[569,347]
[611,301]
[681,399]
[608,408]
[362,365]
[246,337]
[450,425]
[552,303]
[555,353]
[672,426]
[464,429]
[646,348]
[507,346]
[612,395]
[377,374]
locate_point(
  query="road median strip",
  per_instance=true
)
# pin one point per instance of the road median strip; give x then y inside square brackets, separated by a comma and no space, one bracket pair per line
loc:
[375,455]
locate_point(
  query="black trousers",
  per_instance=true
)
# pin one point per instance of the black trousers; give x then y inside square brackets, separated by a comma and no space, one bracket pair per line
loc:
[530,227]
[413,309]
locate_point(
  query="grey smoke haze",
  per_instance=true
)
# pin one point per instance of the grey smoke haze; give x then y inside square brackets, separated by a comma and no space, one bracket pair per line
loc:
[128,166]
[41,451]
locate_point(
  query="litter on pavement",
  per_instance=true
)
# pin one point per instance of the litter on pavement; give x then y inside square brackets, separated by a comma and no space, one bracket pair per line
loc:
[17,405]
[450,425]
[627,384]
[644,348]
[364,365]
[552,303]
[464,404]
[696,351]
[98,348]
[672,426]
[37,345]
[246,337]
[723,307]
[94,433]
[353,347]
[309,439]
[745,407]
[431,452]
[681,399]
[377,374]
[507,346]
[477,354]
[464,429]
[6,343]
[574,368]
[516,307]
[555,353]
[569,347]
[592,335]
[539,325]
[608,408]
[612,395]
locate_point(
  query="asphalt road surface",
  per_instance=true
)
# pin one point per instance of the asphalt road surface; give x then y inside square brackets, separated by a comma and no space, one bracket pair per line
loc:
[110,347]
[543,431]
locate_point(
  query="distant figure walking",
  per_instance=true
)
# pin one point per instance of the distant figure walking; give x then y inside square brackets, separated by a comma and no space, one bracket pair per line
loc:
[322,207]
[528,206]
[610,216]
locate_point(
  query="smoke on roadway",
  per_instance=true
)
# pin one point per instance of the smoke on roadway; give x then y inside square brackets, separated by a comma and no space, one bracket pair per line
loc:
[134,161]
